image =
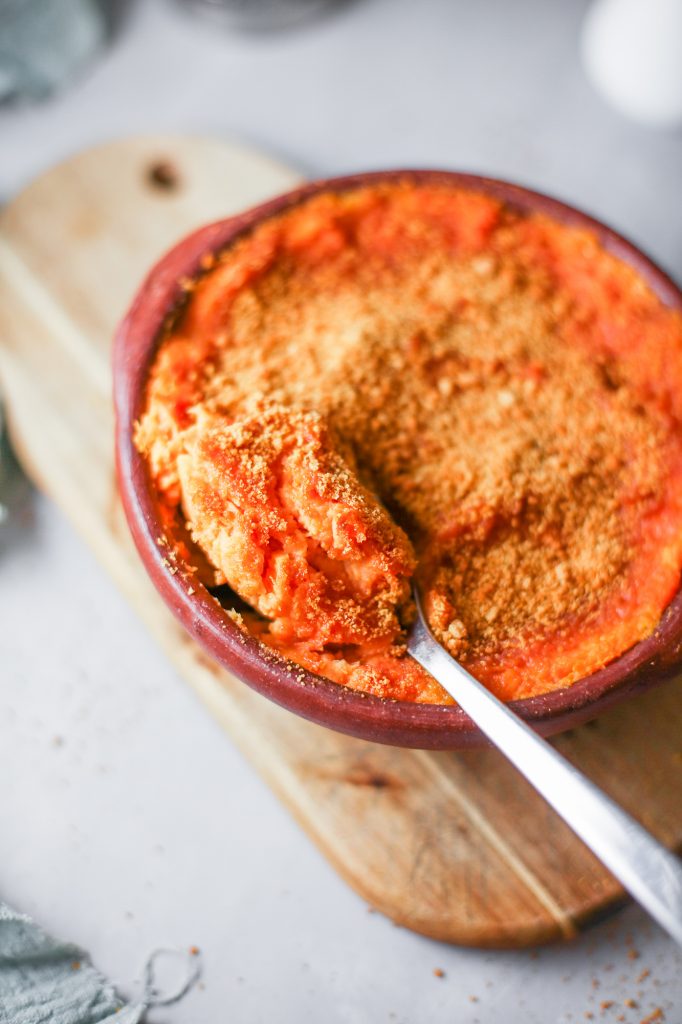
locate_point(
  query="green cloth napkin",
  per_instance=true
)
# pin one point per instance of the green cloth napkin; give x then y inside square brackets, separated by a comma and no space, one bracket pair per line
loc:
[46,981]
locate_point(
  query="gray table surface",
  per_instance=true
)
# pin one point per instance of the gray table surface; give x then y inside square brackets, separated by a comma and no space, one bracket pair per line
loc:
[128,819]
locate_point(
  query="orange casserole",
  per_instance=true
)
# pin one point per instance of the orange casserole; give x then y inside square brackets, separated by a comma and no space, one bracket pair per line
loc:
[410,380]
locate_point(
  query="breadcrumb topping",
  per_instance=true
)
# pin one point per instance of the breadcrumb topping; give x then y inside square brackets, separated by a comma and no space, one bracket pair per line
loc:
[405,360]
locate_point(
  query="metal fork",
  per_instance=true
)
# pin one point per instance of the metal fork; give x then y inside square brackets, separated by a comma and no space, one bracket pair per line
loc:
[650,873]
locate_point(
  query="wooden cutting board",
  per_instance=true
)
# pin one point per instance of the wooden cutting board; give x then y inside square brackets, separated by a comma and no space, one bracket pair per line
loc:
[456,846]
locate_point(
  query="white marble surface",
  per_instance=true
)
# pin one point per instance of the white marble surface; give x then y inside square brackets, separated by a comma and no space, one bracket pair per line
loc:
[127,818]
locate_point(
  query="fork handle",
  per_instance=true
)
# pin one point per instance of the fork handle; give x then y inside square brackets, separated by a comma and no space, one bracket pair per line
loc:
[650,873]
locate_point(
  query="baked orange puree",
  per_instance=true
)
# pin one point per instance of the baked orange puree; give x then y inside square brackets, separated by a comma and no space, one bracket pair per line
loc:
[407,378]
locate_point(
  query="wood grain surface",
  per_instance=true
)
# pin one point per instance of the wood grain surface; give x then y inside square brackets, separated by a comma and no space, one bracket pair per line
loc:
[456,846]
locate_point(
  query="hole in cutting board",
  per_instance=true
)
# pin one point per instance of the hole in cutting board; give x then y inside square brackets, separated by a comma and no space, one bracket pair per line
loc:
[163,176]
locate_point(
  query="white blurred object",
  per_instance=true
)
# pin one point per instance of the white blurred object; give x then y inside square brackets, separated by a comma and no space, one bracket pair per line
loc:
[632,52]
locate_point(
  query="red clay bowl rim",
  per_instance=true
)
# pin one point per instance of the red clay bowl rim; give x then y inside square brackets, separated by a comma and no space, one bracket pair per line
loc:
[321,701]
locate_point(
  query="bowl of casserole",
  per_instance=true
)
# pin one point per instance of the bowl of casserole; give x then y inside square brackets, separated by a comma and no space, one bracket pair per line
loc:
[400,377]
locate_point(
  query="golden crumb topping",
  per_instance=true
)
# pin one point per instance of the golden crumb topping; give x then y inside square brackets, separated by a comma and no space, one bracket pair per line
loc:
[411,359]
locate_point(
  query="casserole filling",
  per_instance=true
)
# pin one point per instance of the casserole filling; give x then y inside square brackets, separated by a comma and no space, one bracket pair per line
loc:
[409,378]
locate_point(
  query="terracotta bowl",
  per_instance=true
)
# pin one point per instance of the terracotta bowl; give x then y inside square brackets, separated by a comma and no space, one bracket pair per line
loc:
[371,718]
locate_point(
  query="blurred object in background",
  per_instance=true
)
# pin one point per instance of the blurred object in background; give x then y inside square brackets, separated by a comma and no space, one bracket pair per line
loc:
[15,491]
[257,14]
[5,470]
[632,51]
[44,43]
